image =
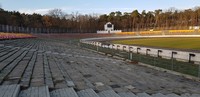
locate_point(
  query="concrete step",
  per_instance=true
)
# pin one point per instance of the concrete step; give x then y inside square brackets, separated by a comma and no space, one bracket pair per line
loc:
[87,93]
[65,92]
[42,91]
[158,95]
[195,95]
[143,95]
[127,94]
[108,93]
[185,95]
[172,95]
[9,90]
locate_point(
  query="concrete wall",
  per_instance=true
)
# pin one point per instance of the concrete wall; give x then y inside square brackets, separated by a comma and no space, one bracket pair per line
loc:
[106,32]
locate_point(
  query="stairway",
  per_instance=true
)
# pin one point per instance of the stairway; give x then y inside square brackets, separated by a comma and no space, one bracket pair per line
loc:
[43,91]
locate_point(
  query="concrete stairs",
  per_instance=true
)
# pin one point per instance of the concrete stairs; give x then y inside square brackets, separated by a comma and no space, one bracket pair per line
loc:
[43,91]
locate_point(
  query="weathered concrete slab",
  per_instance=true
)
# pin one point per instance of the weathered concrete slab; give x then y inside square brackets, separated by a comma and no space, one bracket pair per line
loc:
[66,92]
[87,93]
[172,95]
[108,93]
[25,81]
[143,95]
[61,65]
[9,90]
[158,95]
[35,92]
[127,94]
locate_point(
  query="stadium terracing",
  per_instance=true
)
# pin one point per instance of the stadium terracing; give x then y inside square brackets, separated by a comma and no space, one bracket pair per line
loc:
[59,66]
[15,35]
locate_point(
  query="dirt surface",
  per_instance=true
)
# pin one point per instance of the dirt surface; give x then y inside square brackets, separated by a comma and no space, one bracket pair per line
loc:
[37,62]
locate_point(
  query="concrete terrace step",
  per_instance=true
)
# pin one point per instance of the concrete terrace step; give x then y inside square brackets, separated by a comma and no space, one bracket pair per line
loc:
[43,91]
[9,90]
[58,65]
[195,95]
[87,93]
[185,95]
[172,95]
[66,92]
[127,94]
[188,95]
[35,92]
[158,95]
[108,93]
[143,95]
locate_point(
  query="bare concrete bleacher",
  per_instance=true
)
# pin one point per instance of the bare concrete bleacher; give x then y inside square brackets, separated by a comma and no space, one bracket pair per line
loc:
[45,67]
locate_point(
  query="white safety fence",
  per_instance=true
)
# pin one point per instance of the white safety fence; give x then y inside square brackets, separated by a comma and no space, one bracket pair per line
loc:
[164,53]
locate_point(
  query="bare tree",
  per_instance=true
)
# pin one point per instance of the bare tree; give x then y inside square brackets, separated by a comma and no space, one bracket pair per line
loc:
[56,13]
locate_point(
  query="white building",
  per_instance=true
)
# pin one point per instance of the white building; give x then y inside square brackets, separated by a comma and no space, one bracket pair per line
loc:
[108,28]
[194,27]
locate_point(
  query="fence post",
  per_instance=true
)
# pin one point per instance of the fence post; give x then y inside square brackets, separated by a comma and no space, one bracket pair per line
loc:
[70,42]
[112,50]
[130,53]
[154,60]
[138,54]
[97,48]
[172,65]
[199,71]
[172,57]
[78,44]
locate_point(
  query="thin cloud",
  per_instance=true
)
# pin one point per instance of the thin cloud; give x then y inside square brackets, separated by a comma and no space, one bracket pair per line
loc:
[42,11]
[102,10]
[80,10]
[31,11]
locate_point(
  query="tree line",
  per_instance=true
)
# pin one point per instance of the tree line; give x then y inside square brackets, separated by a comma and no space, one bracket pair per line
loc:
[127,21]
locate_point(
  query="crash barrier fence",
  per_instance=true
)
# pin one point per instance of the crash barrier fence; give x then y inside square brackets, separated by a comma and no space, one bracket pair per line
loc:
[179,61]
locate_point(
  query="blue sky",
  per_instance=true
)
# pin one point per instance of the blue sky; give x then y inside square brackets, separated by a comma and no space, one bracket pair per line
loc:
[94,6]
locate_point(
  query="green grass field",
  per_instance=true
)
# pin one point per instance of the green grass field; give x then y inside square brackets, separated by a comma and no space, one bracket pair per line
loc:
[177,43]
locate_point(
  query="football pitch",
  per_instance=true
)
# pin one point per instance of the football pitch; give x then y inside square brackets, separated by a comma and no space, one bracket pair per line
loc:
[176,43]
